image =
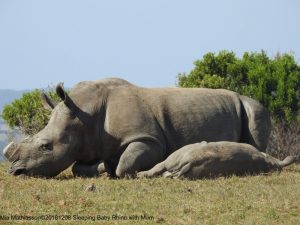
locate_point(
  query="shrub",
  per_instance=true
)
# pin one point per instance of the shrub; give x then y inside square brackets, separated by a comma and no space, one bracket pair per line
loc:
[27,113]
[273,82]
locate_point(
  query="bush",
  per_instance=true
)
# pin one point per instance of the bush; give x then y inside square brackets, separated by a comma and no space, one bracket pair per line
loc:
[273,82]
[27,113]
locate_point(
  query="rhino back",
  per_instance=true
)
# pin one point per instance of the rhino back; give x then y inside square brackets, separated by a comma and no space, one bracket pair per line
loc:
[188,116]
[174,116]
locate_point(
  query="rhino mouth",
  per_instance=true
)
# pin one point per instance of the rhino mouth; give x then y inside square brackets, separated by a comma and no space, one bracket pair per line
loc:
[17,169]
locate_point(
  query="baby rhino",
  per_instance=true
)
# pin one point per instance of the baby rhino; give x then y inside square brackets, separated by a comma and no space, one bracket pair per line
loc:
[214,159]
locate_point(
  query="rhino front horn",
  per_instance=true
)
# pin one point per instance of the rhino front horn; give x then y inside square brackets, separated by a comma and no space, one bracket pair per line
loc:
[10,151]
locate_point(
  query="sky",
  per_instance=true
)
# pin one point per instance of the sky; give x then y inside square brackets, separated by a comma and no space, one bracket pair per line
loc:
[145,42]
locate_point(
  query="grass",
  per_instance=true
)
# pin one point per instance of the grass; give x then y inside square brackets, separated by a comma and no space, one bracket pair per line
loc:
[272,199]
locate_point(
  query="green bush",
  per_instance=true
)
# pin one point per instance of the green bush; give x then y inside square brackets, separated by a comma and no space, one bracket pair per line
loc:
[274,82]
[28,113]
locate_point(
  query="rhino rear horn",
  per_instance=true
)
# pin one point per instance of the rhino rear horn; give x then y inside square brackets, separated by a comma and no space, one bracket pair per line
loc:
[10,152]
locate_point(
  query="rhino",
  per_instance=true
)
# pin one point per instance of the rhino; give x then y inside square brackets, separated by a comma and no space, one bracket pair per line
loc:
[215,159]
[131,128]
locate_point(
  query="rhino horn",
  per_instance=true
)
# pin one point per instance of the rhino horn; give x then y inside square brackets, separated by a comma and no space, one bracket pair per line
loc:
[10,151]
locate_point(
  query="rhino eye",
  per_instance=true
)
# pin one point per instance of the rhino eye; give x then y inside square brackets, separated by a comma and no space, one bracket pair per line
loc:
[46,147]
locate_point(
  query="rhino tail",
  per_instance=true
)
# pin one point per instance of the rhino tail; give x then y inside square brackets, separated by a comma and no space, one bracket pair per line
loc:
[289,160]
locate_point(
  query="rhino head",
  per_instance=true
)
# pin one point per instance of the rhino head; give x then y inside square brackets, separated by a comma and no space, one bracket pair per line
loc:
[55,147]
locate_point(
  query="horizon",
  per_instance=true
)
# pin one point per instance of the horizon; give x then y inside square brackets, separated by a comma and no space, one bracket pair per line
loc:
[146,43]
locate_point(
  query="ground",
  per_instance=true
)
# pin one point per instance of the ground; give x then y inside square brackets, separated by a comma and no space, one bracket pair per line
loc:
[264,199]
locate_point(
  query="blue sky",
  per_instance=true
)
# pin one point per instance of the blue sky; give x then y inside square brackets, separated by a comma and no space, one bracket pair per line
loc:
[145,42]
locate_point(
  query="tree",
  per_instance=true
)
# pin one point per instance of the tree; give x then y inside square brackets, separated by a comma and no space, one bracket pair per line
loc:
[274,82]
[28,113]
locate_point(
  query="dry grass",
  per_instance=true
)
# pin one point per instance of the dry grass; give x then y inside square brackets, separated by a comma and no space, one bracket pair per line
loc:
[284,140]
[273,199]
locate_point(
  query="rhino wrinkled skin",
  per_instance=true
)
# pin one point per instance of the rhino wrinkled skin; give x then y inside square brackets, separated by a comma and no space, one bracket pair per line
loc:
[132,129]
[214,159]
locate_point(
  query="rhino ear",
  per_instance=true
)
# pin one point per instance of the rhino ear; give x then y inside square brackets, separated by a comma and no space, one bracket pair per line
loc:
[64,95]
[60,91]
[47,102]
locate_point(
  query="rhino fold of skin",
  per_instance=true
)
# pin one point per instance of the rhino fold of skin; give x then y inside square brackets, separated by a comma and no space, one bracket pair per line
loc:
[214,159]
[132,129]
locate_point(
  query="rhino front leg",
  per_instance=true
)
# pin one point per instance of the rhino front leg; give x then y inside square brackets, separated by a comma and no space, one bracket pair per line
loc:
[156,171]
[139,156]
[93,169]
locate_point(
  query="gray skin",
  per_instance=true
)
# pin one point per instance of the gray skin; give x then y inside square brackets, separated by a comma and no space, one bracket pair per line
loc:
[132,129]
[215,159]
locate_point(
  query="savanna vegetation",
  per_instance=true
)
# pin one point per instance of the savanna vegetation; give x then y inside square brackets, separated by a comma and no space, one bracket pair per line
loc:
[264,199]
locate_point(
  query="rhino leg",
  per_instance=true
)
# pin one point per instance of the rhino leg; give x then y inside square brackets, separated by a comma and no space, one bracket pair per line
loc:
[184,170]
[139,156]
[178,173]
[93,169]
[157,170]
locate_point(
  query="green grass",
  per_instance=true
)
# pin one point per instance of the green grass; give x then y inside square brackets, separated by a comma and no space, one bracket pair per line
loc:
[272,199]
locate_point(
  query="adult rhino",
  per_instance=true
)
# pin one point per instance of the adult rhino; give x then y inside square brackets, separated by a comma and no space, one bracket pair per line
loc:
[214,159]
[132,128]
